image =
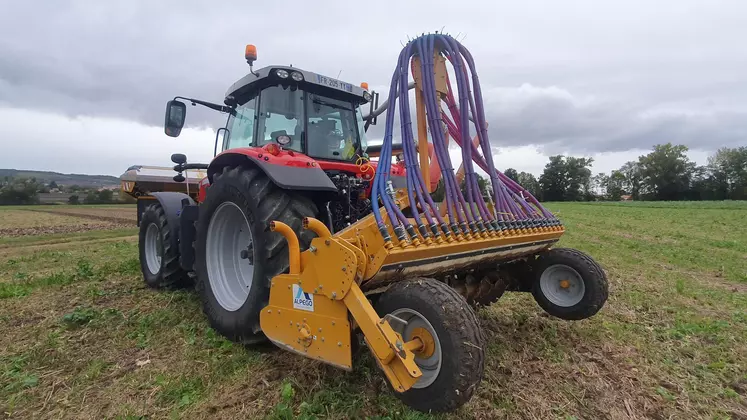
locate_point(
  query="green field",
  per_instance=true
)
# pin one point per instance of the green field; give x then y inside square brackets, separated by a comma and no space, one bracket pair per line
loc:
[83,338]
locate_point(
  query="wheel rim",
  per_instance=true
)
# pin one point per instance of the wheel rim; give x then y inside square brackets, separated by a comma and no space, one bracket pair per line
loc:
[562,285]
[230,271]
[429,366]
[153,248]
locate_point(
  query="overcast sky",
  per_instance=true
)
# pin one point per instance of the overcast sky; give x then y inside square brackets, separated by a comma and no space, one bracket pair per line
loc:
[83,84]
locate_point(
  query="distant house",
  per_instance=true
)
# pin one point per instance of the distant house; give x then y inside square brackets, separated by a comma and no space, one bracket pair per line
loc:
[627,197]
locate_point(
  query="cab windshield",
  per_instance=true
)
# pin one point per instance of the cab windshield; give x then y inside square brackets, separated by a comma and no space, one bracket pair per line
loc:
[332,131]
[319,126]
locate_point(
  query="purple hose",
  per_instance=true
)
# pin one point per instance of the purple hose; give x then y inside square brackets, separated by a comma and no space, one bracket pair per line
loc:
[514,205]
[429,93]
[463,126]
[413,173]
[451,192]
[475,156]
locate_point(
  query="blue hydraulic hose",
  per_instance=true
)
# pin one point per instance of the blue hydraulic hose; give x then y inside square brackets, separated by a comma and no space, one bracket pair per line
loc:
[515,206]
[463,92]
[452,187]
[382,170]
[421,190]
[429,93]
[437,145]
[406,129]
[465,102]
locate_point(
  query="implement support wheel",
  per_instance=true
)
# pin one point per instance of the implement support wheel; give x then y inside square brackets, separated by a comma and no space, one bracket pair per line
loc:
[451,354]
[569,284]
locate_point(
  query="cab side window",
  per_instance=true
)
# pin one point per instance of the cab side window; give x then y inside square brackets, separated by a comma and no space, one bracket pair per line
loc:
[241,126]
[281,113]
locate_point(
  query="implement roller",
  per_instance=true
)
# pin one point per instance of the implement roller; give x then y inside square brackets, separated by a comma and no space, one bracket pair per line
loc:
[303,234]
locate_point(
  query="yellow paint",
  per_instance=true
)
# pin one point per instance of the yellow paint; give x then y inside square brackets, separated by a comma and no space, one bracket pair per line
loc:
[336,269]
[293,248]
[422,134]
[316,226]
[366,231]
[424,341]
[329,269]
[323,334]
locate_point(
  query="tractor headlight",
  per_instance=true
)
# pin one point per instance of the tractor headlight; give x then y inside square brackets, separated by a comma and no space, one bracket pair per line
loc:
[296,76]
[366,96]
[283,74]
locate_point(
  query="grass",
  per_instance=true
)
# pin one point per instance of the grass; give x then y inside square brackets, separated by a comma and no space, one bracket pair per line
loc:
[83,337]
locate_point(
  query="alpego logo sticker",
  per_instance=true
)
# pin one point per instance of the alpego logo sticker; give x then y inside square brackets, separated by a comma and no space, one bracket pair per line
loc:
[302,300]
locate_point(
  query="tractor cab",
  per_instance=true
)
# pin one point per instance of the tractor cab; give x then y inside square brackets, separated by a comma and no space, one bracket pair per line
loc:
[299,110]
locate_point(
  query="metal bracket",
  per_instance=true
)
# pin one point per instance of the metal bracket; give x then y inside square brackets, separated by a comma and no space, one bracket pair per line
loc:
[389,318]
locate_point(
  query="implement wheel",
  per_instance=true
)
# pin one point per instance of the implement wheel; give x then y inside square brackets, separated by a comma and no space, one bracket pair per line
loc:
[159,259]
[569,284]
[236,254]
[451,358]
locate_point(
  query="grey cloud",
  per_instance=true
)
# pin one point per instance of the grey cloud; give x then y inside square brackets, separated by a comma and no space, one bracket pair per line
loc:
[577,76]
[561,122]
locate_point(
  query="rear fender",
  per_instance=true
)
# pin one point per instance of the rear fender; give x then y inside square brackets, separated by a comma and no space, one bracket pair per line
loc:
[172,204]
[289,170]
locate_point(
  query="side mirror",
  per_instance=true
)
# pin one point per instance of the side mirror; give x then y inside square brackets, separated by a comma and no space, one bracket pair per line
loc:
[176,112]
[179,158]
[221,136]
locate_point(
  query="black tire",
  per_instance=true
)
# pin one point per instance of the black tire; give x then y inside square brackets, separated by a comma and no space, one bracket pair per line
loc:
[170,274]
[593,277]
[262,202]
[457,329]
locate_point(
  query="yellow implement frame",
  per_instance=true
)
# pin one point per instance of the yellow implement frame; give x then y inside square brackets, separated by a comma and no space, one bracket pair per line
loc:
[311,308]
[335,267]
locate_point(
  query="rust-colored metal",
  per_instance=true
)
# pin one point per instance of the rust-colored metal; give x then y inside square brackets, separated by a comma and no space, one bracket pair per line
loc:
[422,134]
[440,76]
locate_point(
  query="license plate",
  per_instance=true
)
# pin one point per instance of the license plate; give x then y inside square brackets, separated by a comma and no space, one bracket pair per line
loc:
[334,83]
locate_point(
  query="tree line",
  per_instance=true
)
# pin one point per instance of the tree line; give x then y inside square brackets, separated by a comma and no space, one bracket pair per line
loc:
[666,173]
[25,191]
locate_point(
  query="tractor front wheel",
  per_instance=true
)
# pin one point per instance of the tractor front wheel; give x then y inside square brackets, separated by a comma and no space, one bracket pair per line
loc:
[569,284]
[236,256]
[451,358]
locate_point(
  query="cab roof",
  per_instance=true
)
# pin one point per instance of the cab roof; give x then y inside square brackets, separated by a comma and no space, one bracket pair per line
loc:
[267,76]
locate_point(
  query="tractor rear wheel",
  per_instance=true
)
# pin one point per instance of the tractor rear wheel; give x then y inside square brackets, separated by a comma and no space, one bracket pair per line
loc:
[569,284]
[159,258]
[452,359]
[236,255]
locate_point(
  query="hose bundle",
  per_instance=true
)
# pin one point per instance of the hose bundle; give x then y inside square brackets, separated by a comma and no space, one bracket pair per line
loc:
[514,207]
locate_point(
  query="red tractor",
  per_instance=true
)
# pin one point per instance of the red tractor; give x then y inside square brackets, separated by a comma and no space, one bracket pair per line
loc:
[293,147]
[301,239]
